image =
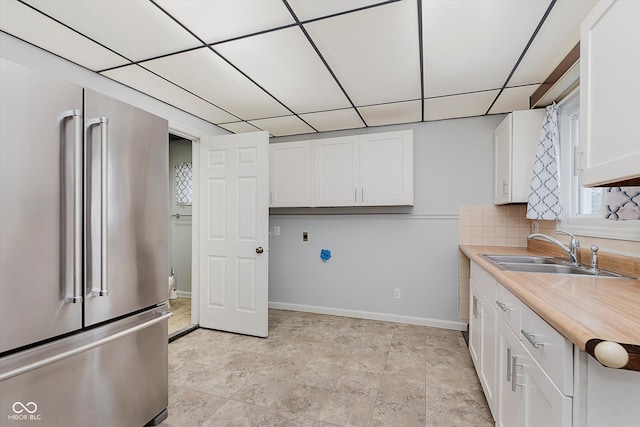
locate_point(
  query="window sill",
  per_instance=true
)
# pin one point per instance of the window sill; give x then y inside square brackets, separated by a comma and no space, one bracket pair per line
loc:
[604,228]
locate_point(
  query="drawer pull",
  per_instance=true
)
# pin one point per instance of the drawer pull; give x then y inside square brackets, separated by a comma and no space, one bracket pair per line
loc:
[502,306]
[514,382]
[532,339]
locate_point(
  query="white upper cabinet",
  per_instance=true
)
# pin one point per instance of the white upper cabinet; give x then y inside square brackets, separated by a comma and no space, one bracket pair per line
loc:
[515,142]
[291,174]
[358,170]
[386,169]
[365,170]
[336,168]
[609,93]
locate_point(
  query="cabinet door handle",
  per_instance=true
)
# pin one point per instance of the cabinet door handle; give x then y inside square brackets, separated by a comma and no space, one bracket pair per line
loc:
[355,194]
[504,188]
[513,373]
[532,339]
[473,308]
[502,306]
[508,364]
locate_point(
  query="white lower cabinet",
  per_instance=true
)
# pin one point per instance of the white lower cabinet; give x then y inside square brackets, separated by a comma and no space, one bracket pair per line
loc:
[482,341]
[521,390]
[526,394]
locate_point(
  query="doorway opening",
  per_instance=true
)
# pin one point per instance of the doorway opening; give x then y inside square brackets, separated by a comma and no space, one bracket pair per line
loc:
[180,232]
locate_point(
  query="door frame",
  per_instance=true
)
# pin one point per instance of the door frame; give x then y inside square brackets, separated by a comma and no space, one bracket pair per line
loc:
[194,136]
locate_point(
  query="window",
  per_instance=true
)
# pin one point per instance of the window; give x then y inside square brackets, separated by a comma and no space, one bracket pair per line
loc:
[583,207]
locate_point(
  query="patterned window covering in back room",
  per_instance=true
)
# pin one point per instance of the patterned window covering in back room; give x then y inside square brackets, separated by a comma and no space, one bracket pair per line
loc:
[184,184]
[622,203]
[544,199]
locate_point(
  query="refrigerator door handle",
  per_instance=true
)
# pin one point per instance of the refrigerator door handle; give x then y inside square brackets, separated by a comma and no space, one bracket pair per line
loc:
[76,295]
[81,349]
[103,122]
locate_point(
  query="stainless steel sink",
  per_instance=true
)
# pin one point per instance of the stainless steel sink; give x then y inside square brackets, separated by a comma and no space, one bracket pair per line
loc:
[542,264]
[555,268]
[523,259]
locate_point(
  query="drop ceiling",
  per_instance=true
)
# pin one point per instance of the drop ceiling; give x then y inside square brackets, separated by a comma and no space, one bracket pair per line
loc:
[303,66]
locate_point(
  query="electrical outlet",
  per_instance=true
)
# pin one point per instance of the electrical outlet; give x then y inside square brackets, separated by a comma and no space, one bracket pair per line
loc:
[396,293]
[276,230]
[534,226]
[305,236]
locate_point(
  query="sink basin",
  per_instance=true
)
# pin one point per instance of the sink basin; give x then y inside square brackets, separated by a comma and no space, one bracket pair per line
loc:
[524,259]
[555,268]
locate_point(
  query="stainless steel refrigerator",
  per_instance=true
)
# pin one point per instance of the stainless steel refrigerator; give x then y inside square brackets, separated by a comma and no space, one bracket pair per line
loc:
[83,256]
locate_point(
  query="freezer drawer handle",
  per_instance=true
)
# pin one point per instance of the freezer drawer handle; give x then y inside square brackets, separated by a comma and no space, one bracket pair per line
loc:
[76,296]
[104,140]
[64,355]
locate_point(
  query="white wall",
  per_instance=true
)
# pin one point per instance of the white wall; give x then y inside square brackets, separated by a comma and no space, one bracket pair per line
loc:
[180,228]
[23,53]
[414,249]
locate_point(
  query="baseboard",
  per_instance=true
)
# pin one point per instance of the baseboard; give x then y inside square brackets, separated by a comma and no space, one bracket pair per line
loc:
[183,294]
[396,318]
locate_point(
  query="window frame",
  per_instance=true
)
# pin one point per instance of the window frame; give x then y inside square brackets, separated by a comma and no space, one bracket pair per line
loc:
[573,222]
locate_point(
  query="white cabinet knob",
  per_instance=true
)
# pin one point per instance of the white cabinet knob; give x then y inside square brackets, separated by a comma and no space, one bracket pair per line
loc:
[611,354]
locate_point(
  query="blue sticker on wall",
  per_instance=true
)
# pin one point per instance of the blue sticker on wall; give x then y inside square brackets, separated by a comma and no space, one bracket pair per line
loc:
[325,254]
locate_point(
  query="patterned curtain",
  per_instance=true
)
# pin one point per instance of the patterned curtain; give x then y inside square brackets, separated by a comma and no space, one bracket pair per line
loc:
[622,203]
[184,184]
[544,199]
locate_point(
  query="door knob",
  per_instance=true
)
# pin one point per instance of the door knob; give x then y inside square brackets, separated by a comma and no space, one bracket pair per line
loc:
[259,250]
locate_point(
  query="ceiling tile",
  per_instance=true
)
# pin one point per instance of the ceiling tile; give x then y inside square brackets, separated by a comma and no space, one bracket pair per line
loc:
[239,127]
[374,52]
[513,99]
[29,25]
[285,64]
[558,35]
[135,29]
[325,121]
[387,114]
[305,9]
[147,82]
[282,126]
[203,72]
[219,20]
[471,46]
[464,105]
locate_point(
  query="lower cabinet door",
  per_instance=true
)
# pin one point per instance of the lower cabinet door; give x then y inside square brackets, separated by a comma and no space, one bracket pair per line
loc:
[542,404]
[508,395]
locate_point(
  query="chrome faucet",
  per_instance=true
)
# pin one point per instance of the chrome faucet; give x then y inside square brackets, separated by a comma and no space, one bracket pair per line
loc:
[571,250]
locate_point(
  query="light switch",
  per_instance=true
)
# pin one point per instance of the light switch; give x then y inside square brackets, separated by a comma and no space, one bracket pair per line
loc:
[305,236]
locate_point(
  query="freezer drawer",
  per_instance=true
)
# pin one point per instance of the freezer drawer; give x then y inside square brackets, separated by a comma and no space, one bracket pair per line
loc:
[112,376]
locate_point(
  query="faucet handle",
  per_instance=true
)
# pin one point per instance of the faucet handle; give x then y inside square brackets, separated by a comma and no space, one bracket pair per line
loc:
[574,241]
[594,258]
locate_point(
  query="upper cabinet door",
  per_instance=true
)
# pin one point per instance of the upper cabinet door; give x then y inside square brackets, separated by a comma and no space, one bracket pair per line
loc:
[291,170]
[386,169]
[336,171]
[502,162]
[609,108]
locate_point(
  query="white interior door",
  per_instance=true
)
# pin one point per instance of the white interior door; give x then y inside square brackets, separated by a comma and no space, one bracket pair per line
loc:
[234,232]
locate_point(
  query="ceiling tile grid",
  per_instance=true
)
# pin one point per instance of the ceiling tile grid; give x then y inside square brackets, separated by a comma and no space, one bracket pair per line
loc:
[304,66]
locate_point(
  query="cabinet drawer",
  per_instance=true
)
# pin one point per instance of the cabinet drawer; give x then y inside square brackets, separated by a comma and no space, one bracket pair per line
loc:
[485,282]
[553,352]
[509,308]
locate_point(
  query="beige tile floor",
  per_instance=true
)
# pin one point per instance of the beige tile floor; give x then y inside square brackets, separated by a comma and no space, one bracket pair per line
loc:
[181,309]
[317,370]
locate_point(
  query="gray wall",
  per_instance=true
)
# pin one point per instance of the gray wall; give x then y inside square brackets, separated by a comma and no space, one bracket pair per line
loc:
[414,249]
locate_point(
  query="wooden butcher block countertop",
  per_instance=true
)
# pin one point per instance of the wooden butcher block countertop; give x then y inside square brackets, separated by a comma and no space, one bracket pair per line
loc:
[585,309]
